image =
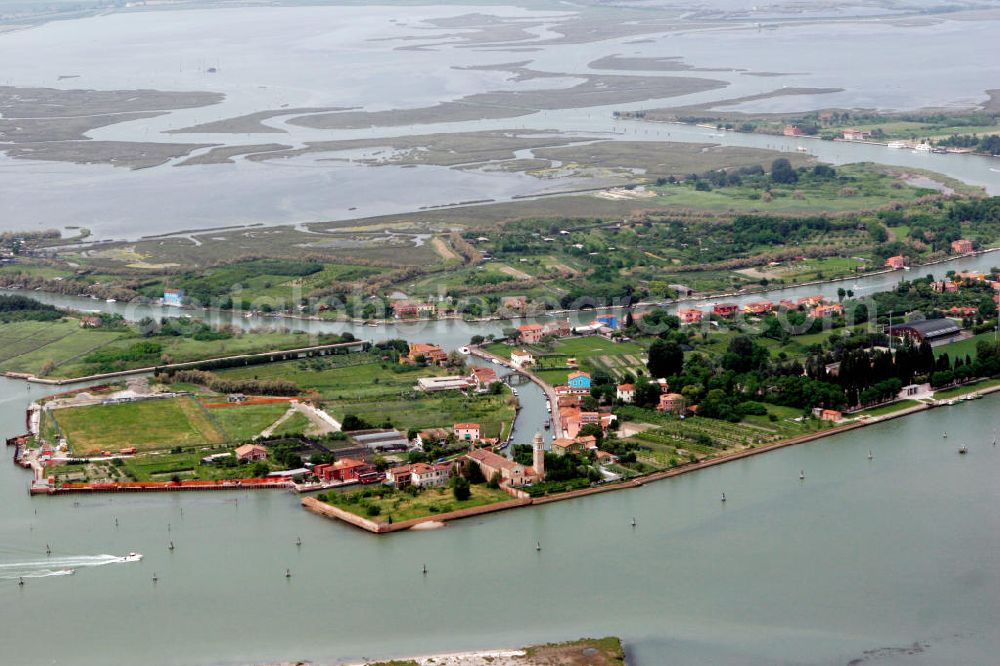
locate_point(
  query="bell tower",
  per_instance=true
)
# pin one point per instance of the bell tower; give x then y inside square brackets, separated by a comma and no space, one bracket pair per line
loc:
[538,456]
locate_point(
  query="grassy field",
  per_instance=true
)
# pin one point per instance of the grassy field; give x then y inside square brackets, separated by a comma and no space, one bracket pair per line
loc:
[346,377]
[400,505]
[871,189]
[296,424]
[378,391]
[666,444]
[244,422]
[592,353]
[28,346]
[495,414]
[968,388]
[889,409]
[146,425]
[963,348]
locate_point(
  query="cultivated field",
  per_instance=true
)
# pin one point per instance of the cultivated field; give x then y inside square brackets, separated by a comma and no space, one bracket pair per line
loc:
[146,425]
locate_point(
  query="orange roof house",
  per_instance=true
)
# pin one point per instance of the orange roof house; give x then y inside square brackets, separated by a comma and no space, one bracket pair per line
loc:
[251,452]
[961,246]
[828,310]
[530,334]
[758,307]
[690,315]
[432,354]
[896,263]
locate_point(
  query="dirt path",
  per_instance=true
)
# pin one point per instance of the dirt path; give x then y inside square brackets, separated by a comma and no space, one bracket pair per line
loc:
[269,430]
[323,422]
[513,272]
[444,250]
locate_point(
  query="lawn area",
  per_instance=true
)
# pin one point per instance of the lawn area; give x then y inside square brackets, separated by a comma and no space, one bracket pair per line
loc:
[501,349]
[963,348]
[400,505]
[358,376]
[26,346]
[440,410]
[593,345]
[376,391]
[553,377]
[296,424]
[146,425]
[242,423]
[968,388]
[29,346]
[889,409]
[592,353]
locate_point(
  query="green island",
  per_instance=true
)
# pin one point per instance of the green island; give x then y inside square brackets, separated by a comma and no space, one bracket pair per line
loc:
[744,224]
[38,340]
[959,130]
[402,431]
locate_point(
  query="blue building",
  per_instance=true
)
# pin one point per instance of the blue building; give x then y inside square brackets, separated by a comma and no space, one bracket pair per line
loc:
[173,297]
[578,380]
[610,321]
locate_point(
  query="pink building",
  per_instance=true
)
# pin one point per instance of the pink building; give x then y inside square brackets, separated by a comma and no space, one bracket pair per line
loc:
[896,263]
[690,315]
[671,402]
[530,333]
[467,432]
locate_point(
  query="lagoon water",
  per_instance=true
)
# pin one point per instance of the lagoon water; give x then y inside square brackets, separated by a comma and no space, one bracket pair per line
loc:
[888,561]
[897,555]
[270,58]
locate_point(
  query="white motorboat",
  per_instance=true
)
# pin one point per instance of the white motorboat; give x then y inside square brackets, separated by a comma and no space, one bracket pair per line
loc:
[463,350]
[898,144]
[132,557]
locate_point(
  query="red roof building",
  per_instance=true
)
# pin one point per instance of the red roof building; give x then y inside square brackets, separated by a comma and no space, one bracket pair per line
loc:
[530,334]
[725,309]
[758,307]
[961,246]
[690,315]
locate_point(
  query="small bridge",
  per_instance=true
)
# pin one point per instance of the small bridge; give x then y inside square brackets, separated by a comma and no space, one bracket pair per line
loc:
[515,379]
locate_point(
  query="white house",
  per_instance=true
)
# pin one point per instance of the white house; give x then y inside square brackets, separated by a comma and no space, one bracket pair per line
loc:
[521,357]
[423,475]
[625,393]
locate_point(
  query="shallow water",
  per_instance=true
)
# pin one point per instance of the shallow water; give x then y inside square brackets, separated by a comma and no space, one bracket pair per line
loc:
[862,555]
[271,57]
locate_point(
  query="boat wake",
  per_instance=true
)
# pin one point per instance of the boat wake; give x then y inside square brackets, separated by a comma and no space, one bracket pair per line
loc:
[55,566]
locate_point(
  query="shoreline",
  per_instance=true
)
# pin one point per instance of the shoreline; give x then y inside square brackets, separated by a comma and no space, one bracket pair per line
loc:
[314,505]
[376,323]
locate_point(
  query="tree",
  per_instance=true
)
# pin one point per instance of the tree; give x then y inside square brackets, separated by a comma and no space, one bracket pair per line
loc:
[743,355]
[782,172]
[646,394]
[460,487]
[594,430]
[352,422]
[665,359]
[473,474]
